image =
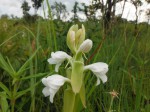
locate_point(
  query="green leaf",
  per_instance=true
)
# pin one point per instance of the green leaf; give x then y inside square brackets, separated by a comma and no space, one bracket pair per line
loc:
[33,76]
[6,66]
[82,96]
[26,63]
[69,100]
[68,72]
[29,31]
[20,93]
[3,103]
[11,66]
[10,38]
[2,94]
[5,89]
[146,61]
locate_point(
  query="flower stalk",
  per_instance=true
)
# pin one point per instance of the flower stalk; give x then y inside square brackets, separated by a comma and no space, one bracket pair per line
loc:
[111,103]
[13,99]
[114,95]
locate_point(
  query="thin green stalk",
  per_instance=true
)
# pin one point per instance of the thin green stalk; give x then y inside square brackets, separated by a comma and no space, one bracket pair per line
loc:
[122,81]
[10,39]
[111,103]
[139,90]
[48,37]
[52,25]
[13,99]
[31,80]
[32,71]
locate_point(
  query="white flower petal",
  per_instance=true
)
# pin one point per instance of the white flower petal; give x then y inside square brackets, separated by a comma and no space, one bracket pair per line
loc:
[98,81]
[52,93]
[56,80]
[53,90]
[44,81]
[59,55]
[103,78]
[99,69]
[52,54]
[53,83]
[46,92]
[57,67]
[58,58]
[52,61]
[51,97]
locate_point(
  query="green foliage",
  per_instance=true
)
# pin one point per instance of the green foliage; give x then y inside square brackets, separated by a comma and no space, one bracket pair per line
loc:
[23,62]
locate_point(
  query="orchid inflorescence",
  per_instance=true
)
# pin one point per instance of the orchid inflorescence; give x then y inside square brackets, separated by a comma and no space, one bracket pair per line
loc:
[78,46]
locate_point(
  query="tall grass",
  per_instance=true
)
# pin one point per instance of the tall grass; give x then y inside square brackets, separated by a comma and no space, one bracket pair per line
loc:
[23,62]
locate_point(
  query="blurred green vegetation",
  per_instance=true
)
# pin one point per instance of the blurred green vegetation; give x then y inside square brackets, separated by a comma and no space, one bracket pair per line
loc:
[125,50]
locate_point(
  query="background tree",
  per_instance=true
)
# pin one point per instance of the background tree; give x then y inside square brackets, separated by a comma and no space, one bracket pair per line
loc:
[148,12]
[148,1]
[88,11]
[107,9]
[25,7]
[148,17]
[37,4]
[136,4]
[75,10]
[59,10]
[4,16]
[85,10]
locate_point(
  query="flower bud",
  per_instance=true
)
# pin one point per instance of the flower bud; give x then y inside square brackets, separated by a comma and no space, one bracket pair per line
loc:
[75,37]
[86,46]
[83,33]
[80,37]
[71,38]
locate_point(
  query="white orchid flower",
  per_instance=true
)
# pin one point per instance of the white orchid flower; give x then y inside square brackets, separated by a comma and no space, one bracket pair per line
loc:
[99,69]
[58,58]
[53,83]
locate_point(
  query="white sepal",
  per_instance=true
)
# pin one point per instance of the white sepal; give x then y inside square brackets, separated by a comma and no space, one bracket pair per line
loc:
[58,58]
[99,69]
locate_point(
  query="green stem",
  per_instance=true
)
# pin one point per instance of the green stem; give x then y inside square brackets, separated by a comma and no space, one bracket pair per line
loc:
[111,103]
[69,100]
[13,99]
[77,76]
[78,56]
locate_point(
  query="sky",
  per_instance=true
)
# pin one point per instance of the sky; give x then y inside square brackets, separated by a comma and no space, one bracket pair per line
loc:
[13,7]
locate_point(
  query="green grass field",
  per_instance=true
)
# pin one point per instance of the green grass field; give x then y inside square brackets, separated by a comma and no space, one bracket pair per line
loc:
[25,48]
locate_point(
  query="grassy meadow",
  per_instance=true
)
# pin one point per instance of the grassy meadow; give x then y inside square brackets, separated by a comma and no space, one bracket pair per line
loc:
[25,48]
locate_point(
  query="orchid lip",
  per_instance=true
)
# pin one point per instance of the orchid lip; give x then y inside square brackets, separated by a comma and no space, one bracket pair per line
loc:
[53,83]
[99,69]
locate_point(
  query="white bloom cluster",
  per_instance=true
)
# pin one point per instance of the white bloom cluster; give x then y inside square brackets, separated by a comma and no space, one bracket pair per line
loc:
[54,82]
